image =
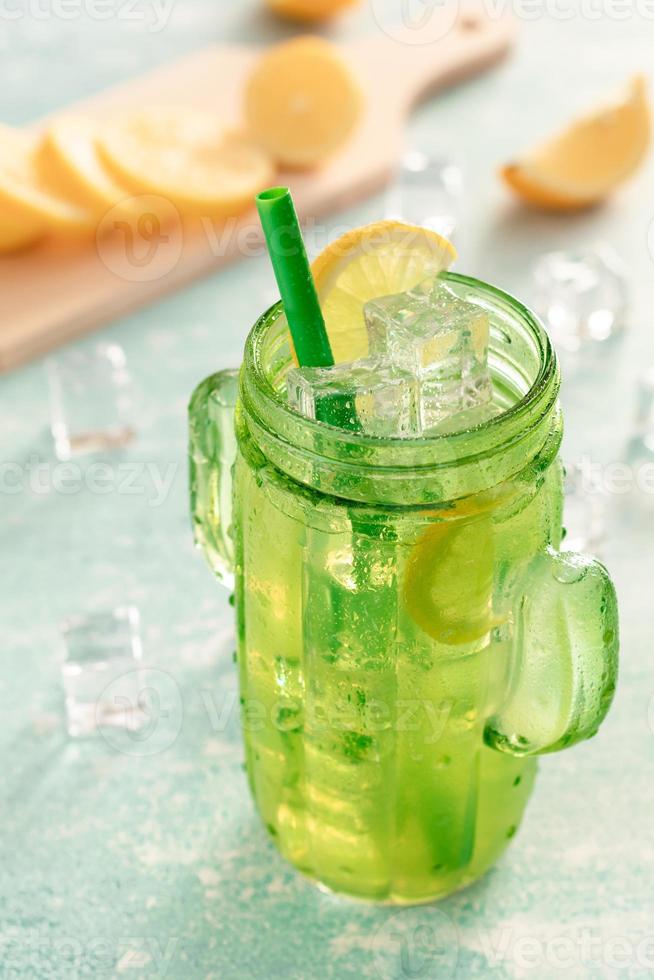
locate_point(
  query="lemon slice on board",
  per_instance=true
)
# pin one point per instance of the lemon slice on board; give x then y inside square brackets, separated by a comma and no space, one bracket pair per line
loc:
[584,164]
[70,153]
[377,260]
[309,10]
[302,101]
[187,158]
[18,228]
[29,203]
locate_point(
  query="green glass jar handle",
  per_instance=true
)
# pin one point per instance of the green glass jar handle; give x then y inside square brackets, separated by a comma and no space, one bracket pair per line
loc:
[565,657]
[212,453]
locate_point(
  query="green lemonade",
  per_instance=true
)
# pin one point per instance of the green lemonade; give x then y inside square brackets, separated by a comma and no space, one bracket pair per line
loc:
[409,634]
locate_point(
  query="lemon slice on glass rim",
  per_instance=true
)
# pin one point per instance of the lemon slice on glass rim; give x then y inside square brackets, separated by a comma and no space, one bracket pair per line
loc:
[381,259]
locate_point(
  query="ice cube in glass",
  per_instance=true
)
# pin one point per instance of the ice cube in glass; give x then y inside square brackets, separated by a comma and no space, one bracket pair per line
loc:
[442,340]
[368,395]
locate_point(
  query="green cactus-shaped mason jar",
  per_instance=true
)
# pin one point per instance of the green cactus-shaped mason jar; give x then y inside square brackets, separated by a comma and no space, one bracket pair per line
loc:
[410,633]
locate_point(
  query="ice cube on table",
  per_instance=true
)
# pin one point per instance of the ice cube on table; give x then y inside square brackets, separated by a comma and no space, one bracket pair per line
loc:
[442,340]
[92,403]
[428,191]
[368,396]
[581,295]
[584,510]
[102,671]
[642,436]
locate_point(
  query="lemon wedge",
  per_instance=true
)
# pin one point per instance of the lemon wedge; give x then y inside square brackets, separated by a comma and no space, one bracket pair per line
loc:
[70,154]
[186,158]
[309,10]
[583,165]
[377,260]
[29,203]
[302,102]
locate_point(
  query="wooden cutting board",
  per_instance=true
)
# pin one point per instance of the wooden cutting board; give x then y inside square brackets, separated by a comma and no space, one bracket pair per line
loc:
[56,291]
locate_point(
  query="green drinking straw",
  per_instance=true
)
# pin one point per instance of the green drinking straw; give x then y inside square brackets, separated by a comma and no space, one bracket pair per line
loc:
[305,320]
[298,292]
[294,279]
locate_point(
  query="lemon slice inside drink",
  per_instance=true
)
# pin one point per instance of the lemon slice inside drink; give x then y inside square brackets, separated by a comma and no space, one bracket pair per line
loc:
[448,582]
[377,260]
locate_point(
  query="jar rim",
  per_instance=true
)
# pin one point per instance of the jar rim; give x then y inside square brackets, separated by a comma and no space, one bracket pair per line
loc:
[286,433]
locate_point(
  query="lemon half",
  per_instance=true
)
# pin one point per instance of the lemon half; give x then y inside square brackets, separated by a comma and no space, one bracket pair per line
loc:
[302,101]
[309,10]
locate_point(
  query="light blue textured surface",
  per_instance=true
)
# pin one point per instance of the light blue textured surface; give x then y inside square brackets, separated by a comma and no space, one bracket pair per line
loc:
[119,862]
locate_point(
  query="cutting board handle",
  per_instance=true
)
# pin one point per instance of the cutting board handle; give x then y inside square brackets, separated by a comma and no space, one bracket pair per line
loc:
[443,47]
